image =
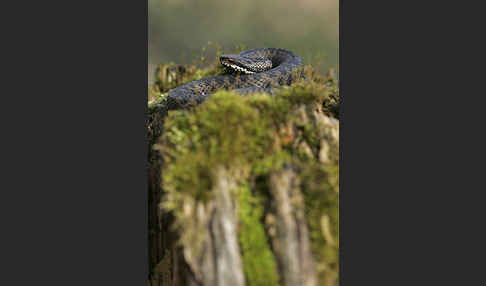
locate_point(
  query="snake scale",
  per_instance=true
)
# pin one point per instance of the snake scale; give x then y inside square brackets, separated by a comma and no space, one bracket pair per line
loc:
[256,70]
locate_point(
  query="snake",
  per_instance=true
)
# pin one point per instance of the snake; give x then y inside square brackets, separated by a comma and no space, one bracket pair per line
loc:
[255,70]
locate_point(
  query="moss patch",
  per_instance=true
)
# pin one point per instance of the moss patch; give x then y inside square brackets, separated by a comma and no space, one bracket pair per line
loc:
[258,260]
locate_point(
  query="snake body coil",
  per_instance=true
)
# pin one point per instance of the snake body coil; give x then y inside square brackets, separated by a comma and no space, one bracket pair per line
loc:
[259,70]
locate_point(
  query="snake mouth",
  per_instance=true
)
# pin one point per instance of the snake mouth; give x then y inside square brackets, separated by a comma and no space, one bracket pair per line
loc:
[237,68]
[234,65]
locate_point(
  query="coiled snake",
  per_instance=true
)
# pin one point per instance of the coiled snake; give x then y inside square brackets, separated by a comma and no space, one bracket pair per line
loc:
[257,70]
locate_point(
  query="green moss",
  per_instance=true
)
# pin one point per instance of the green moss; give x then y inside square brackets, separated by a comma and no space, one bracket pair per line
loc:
[229,129]
[258,260]
[223,131]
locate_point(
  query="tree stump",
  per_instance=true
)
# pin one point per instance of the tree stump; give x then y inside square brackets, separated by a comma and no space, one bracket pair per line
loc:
[243,190]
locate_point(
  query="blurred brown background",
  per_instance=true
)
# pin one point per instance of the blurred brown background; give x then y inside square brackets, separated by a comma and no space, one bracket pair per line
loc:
[179,29]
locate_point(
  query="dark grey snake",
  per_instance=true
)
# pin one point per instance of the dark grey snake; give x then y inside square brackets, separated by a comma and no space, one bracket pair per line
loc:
[257,70]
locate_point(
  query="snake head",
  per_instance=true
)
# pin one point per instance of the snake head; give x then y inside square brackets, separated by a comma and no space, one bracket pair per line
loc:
[245,64]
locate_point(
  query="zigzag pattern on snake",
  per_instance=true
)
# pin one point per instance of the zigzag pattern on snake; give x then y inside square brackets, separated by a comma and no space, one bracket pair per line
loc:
[256,70]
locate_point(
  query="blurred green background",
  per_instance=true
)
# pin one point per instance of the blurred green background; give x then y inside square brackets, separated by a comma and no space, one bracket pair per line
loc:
[179,29]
